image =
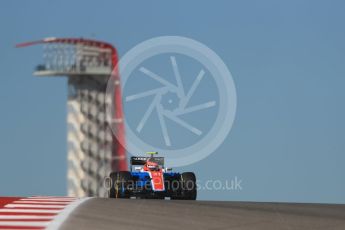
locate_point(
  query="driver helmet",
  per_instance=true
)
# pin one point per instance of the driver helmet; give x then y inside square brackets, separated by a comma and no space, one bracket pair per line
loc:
[151,165]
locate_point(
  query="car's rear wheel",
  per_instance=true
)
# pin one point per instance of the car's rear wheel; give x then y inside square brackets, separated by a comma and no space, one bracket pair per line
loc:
[120,184]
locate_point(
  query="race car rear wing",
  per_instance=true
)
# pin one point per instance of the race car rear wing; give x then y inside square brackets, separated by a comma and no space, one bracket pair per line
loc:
[142,160]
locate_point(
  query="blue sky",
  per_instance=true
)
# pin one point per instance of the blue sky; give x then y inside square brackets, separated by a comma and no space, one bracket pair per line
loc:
[287,59]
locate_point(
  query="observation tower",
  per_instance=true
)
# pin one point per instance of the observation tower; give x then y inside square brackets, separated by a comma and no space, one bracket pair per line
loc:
[93,150]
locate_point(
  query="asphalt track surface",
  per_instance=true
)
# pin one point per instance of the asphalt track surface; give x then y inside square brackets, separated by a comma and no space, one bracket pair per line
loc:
[98,213]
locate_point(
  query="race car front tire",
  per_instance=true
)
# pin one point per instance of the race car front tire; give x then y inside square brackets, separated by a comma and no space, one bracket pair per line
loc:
[188,190]
[120,182]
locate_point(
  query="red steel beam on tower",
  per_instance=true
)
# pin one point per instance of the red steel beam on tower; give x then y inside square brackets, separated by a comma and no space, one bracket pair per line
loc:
[119,159]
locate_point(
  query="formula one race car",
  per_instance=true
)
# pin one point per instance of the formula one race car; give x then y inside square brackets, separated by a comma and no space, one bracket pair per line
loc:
[149,179]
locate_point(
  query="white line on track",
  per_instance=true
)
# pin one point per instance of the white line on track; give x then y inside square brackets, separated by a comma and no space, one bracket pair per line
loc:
[52,200]
[62,197]
[28,217]
[25,223]
[62,216]
[29,210]
[33,206]
[47,198]
[40,202]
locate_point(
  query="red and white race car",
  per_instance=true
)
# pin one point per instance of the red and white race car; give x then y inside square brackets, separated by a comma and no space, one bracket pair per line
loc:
[149,179]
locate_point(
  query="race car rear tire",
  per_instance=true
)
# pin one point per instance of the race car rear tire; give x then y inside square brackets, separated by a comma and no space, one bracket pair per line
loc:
[189,187]
[120,184]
